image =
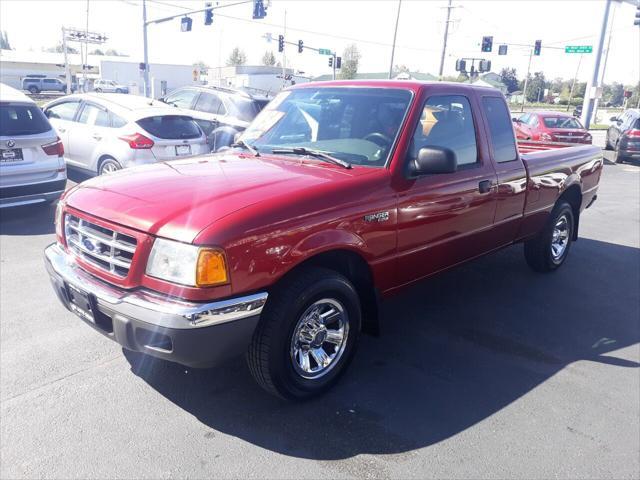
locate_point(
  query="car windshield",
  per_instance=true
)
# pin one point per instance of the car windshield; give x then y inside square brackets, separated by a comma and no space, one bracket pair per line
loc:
[561,122]
[358,125]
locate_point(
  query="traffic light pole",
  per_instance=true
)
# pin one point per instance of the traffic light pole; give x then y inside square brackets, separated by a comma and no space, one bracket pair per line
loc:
[587,104]
[146,23]
[526,81]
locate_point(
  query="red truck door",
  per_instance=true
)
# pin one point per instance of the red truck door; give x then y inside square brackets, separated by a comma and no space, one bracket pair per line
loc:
[444,219]
[512,176]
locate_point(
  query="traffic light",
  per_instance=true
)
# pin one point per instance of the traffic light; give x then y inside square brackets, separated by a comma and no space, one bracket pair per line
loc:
[502,50]
[300,46]
[208,14]
[259,10]
[637,20]
[281,43]
[487,44]
[331,61]
[338,62]
[461,65]
[185,24]
[485,66]
[537,47]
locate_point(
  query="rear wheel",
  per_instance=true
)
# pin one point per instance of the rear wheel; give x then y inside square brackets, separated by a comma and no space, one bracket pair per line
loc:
[33,90]
[306,336]
[617,156]
[549,249]
[118,90]
[98,90]
[109,165]
[607,143]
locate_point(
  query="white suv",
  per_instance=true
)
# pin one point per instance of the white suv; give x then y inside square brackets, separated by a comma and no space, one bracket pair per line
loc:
[109,86]
[32,167]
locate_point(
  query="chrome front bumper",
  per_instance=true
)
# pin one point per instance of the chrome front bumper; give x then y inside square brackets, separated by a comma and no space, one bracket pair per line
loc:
[190,333]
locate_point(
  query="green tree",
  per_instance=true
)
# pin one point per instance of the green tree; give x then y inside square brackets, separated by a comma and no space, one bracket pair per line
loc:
[58,49]
[200,65]
[236,57]
[269,59]
[4,41]
[616,95]
[509,78]
[350,59]
[114,53]
[535,87]
[97,51]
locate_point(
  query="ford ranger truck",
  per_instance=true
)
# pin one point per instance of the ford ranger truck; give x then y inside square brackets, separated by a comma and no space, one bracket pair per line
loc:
[282,246]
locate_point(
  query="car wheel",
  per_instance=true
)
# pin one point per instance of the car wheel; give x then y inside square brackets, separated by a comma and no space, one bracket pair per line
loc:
[607,143]
[109,165]
[617,155]
[118,90]
[33,90]
[98,90]
[549,249]
[307,334]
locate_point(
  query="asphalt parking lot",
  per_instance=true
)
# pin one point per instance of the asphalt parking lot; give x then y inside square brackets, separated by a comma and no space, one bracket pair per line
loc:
[489,370]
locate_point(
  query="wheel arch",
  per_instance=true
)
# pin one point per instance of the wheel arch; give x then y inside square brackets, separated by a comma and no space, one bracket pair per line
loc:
[355,268]
[573,196]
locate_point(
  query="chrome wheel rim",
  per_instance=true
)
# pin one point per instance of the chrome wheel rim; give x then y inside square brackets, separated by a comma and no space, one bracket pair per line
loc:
[109,167]
[319,338]
[560,238]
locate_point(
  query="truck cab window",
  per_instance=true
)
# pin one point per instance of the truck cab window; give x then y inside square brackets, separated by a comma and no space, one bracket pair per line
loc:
[501,131]
[447,121]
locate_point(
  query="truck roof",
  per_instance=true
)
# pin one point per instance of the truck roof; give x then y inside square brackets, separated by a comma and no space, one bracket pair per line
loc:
[413,85]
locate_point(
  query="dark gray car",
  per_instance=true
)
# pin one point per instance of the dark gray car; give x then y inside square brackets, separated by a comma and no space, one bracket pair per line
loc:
[623,136]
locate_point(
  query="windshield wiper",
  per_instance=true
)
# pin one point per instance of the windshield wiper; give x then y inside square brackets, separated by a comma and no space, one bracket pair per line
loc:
[246,146]
[313,153]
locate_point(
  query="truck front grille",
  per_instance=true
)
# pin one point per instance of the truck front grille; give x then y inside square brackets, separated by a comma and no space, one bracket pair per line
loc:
[102,247]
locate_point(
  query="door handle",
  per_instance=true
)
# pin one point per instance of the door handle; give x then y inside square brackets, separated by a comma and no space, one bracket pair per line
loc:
[485,186]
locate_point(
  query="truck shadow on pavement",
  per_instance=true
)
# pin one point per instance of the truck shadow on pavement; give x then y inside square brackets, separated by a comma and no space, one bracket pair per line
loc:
[28,220]
[454,350]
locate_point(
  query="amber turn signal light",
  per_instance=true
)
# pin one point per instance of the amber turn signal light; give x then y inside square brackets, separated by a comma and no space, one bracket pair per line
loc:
[211,269]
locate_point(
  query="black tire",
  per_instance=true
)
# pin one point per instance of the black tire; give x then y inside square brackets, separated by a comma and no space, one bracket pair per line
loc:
[108,165]
[33,90]
[98,90]
[271,357]
[539,252]
[607,143]
[118,90]
[617,155]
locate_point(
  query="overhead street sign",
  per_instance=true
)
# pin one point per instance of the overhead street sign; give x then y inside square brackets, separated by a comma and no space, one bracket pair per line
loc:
[578,49]
[324,51]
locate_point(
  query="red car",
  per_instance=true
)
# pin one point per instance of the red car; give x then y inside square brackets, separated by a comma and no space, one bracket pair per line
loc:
[551,127]
[336,196]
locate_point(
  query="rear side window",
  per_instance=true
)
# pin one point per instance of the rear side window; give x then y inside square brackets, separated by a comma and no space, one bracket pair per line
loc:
[92,115]
[22,120]
[117,122]
[170,127]
[63,111]
[210,103]
[500,128]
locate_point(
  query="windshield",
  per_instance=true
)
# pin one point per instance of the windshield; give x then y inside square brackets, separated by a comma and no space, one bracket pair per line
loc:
[358,125]
[245,109]
[561,122]
[22,120]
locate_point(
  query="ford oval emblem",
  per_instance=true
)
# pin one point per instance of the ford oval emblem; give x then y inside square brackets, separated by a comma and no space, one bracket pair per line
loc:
[11,143]
[90,244]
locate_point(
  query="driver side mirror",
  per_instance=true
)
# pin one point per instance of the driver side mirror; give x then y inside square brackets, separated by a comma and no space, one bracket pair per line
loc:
[515,120]
[433,160]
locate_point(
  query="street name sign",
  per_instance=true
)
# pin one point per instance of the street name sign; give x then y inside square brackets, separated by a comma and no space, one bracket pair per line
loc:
[578,49]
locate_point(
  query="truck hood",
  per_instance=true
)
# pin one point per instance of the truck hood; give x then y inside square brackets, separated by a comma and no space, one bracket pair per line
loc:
[178,199]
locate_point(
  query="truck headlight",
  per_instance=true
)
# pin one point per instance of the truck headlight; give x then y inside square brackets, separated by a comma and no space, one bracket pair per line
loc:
[186,264]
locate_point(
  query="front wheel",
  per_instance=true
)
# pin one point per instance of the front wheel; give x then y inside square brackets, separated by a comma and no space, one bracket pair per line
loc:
[33,90]
[549,249]
[307,334]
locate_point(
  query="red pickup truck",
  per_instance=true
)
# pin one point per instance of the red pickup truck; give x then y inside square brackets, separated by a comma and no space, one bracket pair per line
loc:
[336,196]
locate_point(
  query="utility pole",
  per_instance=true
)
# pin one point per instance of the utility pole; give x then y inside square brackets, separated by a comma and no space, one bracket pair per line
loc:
[446,35]
[575,78]
[587,105]
[526,81]
[606,59]
[86,53]
[334,65]
[147,91]
[284,55]
[67,73]
[395,34]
